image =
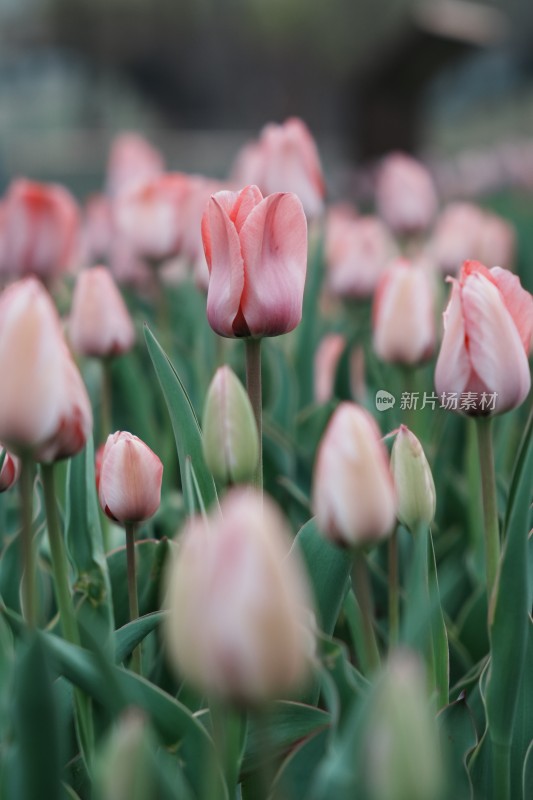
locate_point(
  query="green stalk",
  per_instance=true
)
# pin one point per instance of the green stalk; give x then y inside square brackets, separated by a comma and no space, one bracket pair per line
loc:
[29,609]
[394,590]
[490,509]
[501,771]
[132,590]
[254,389]
[363,593]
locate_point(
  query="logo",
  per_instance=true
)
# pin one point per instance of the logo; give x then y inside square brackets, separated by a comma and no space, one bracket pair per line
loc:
[384,400]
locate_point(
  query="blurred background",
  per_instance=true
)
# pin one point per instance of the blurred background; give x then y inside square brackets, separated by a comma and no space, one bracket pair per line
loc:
[449,80]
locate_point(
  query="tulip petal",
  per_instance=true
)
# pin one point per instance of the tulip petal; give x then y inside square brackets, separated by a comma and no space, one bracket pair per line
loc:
[453,371]
[274,248]
[518,301]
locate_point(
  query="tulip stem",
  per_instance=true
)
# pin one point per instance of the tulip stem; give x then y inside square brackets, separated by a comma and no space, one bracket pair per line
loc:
[490,508]
[363,593]
[26,537]
[254,389]
[394,590]
[132,590]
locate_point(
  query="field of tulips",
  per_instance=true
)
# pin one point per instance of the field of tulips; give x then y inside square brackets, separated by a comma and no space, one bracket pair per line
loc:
[266,486]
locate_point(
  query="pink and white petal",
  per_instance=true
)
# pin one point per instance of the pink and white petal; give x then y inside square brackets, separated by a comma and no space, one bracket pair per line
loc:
[453,370]
[519,303]
[248,199]
[274,249]
[226,200]
[226,281]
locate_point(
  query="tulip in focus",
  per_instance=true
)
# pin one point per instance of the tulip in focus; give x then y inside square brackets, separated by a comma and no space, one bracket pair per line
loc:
[39,229]
[405,194]
[44,407]
[353,492]
[239,624]
[488,328]
[100,324]
[403,315]
[415,488]
[230,438]
[10,471]
[130,475]
[256,251]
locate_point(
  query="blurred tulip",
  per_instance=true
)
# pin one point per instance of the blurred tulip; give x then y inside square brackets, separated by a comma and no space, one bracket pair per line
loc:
[415,488]
[39,229]
[497,241]
[285,159]
[353,491]
[98,230]
[132,162]
[256,251]
[405,194]
[10,472]
[488,327]
[129,486]
[357,251]
[239,624]
[327,358]
[230,438]
[44,406]
[403,315]
[100,324]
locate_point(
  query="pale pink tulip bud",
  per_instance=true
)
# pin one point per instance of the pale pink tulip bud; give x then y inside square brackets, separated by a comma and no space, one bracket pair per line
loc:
[239,624]
[132,162]
[403,315]
[129,486]
[413,480]
[357,251]
[256,251]
[353,492]
[488,327]
[497,241]
[405,194]
[40,229]
[456,236]
[10,472]
[100,324]
[97,229]
[149,217]
[327,359]
[44,406]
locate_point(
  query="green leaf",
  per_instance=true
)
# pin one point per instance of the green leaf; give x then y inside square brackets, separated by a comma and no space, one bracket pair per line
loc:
[307,332]
[150,556]
[184,422]
[297,775]
[458,733]
[130,635]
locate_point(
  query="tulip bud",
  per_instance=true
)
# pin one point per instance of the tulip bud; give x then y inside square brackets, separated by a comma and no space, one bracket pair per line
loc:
[10,470]
[415,488]
[402,758]
[353,491]
[132,162]
[125,769]
[405,194]
[100,324]
[129,479]
[239,622]
[230,439]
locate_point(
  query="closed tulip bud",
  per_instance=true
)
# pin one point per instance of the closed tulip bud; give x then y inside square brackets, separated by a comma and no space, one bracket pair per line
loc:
[230,439]
[403,315]
[402,759]
[40,229]
[488,327]
[44,406]
[415,488]
[353,492]
[256,251]
[130,475]
[327,359]
[100,324]
[10,470]
[132,162]
[239,624]
[405,194]
[126,769]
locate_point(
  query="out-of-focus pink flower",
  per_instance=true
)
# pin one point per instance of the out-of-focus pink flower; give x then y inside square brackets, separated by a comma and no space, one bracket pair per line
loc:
[256,252]
[488,327]
[39,229]
[240,622]
[353,491]
[44,406]
[132,162]
[10,471]
[129,485]
[285,159]
[403,315]
[97,233]
[497,241]
[405,194]
[327,359]
[100,324]
[357,251]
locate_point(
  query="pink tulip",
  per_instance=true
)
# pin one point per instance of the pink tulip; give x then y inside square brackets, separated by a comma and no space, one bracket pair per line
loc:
[488,327]
[10,471]
[327,359]
[44,406]
[256,251]
[132,162]
[403,315]
[97,229]
[353,491]
[129,487]
[405,194]
[497,241]
[40,229]
[100,324]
